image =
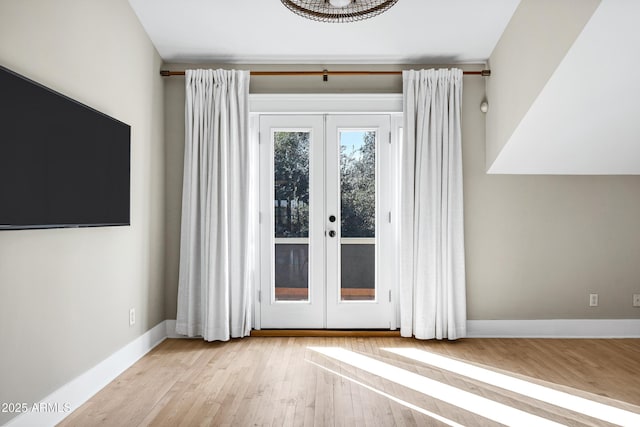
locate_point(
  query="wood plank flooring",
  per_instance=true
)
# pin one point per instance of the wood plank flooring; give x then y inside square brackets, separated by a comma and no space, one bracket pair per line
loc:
[305,381]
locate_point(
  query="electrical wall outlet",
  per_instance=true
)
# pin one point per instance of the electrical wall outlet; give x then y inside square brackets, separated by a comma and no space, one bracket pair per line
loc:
[636,300]
[132,316]
[593,300]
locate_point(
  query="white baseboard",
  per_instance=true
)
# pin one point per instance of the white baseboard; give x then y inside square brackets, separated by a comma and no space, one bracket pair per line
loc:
[556,328]
[79,390]
[553,328]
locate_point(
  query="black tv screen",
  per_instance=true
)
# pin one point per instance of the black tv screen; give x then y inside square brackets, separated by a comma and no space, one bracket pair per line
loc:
[62,163]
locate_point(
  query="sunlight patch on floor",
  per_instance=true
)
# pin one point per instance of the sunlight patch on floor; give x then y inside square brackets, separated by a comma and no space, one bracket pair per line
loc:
[390,397]
[545,394]
[462,399]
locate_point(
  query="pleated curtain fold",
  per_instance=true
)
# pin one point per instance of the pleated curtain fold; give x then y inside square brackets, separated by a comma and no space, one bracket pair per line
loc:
[432,269]
[217,237]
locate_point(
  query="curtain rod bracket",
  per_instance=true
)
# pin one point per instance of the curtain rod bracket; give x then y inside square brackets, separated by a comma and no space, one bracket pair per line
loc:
[325,75]
[486,73]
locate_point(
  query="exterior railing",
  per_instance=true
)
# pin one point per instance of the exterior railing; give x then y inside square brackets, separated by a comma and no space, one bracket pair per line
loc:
[357,281]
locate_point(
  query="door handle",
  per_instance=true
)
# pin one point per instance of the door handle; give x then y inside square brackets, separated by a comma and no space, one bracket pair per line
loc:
[332,233]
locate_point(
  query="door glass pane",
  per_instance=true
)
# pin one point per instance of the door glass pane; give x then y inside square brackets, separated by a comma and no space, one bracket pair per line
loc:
[291,215]
[357,215]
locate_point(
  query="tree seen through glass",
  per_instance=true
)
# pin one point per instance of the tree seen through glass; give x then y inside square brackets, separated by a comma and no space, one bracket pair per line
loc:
[358,183]
[291,174]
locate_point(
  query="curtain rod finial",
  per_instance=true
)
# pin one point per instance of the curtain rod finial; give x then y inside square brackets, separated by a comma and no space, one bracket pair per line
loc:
[165,73]
[486,73]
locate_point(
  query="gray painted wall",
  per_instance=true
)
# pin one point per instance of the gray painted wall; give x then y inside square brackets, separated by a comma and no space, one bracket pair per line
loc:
[65,294]
[536,246]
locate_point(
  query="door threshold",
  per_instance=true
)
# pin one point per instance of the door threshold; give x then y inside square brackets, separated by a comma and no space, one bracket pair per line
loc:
[323,333]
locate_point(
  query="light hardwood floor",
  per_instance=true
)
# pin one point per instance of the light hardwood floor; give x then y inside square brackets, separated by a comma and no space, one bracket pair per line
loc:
[274,381]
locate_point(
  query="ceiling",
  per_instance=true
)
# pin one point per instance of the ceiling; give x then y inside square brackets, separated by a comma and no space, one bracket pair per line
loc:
[264,31]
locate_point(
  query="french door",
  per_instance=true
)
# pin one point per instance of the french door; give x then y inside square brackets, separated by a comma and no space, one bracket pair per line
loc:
[326,235]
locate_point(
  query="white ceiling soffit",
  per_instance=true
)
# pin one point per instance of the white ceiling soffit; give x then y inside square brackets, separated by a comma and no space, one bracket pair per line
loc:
[264,31]
[586,120]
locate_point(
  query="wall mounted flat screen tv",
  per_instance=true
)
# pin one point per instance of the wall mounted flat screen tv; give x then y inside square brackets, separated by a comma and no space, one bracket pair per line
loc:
[62,163]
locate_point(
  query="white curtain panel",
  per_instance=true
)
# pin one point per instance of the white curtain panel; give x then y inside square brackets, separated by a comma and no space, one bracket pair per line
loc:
[432,273]
[217,239]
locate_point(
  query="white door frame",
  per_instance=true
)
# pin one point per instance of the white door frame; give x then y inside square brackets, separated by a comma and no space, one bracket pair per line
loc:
[326,104]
